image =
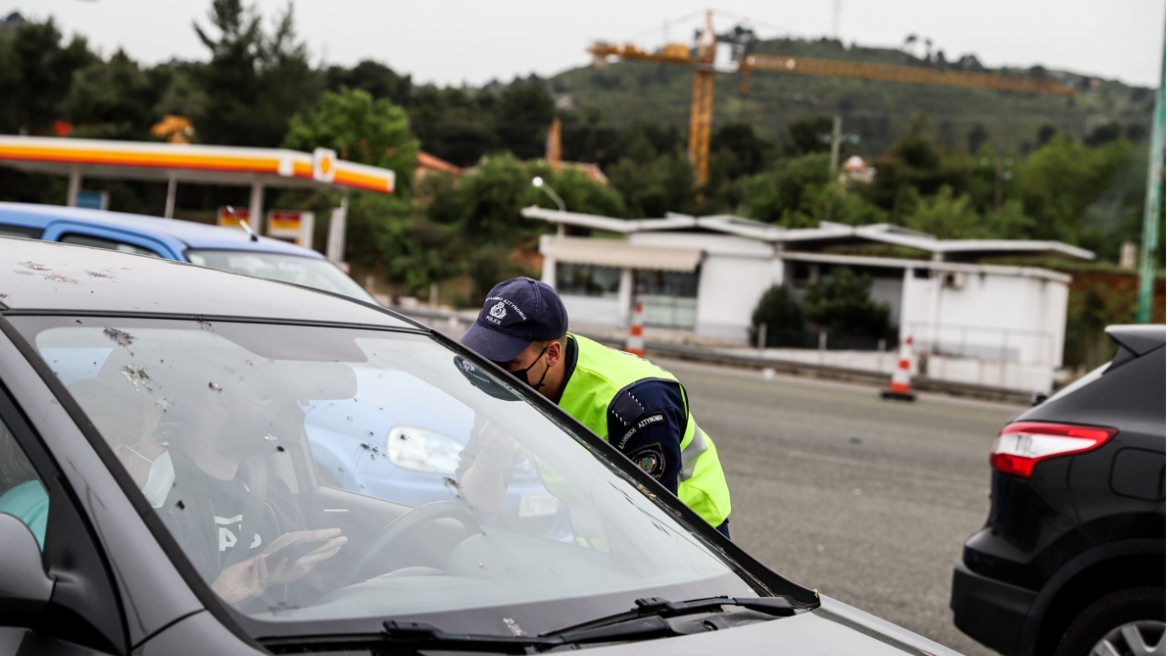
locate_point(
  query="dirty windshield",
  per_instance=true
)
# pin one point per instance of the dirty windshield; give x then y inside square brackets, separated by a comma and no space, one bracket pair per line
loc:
[317,474]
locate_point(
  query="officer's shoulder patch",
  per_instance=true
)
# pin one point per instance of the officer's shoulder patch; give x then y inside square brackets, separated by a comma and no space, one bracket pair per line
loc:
[626,408]
[651,460]
[643,421]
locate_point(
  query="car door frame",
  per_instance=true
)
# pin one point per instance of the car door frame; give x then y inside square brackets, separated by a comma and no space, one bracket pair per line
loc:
[57,229]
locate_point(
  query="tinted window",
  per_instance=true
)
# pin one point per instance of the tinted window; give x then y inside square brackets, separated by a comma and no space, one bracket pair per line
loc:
[101,242]
[20,231]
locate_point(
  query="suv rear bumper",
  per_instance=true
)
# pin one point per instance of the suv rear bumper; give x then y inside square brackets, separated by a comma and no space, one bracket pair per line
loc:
[989,611]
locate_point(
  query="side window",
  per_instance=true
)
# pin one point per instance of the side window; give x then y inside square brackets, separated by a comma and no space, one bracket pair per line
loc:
[21,493]
[101,242]
[20,231]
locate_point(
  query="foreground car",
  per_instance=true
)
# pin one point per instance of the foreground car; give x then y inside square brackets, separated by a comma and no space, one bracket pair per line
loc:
[219,248]
[163,495]
[1071,559]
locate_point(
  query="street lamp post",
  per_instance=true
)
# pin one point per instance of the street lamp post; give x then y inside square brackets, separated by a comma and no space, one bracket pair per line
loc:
[547,189]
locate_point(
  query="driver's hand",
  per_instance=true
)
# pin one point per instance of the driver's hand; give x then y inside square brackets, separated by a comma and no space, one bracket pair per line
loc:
[497,449]
[288,572]
[243,581]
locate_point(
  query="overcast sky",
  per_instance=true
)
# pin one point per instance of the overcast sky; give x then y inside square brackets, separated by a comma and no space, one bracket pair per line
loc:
[450,42]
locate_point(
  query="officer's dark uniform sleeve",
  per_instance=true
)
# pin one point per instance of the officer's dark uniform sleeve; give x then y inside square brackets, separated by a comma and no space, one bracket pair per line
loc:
[646,422]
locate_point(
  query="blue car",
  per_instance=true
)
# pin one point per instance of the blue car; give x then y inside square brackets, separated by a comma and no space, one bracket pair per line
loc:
[212,246]
[420,449]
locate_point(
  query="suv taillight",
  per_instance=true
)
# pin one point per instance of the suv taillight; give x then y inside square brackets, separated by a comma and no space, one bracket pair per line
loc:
[1024,444]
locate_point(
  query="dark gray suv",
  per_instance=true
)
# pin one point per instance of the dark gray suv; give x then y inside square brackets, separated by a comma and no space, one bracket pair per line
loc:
[1071,559]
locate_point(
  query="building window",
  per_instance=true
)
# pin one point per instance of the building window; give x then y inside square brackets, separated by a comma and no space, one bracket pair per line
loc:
[587,280]
[669,298]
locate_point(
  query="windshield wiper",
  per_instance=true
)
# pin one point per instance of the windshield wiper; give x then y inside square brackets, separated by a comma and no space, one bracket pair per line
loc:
[422,636]
[645,622]
[662,608]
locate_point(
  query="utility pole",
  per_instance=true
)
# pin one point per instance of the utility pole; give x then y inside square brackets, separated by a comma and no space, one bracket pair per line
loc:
[835,139]
[1152,204]
[1000,175]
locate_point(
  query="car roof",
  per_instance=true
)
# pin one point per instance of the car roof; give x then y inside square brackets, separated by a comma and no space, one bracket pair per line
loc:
[54,277]
[179,235]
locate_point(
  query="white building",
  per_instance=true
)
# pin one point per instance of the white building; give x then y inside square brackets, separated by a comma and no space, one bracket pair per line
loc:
[706,275]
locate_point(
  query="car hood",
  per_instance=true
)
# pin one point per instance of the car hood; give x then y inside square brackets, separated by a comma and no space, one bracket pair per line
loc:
[833,629]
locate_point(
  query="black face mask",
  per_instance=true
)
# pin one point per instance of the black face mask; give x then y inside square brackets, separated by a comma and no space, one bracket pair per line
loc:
[521,374]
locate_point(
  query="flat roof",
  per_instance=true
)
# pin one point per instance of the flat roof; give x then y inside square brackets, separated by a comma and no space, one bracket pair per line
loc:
[231,165]
[811,239]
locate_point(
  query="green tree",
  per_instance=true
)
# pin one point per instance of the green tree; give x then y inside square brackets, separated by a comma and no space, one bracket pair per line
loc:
[806,135]
[117,99]
[36,73]
[944,216]
[841,302]
[375,78]
[915,162]
[780,311]
[775,196]
[255,82]
[749,152]
[1062,179]
[523,116]
[490,200]
[651,184]
[360,129]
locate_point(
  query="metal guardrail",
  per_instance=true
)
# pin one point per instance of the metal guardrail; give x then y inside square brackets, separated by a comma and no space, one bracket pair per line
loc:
[830,372]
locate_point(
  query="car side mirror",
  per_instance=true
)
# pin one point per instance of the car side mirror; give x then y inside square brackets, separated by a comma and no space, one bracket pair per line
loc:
[24,586]
[1037,398]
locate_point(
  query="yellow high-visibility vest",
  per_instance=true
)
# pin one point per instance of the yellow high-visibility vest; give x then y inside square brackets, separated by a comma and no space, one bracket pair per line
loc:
[601,374]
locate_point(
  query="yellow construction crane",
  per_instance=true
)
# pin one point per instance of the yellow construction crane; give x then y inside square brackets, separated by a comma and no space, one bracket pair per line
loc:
[702,59]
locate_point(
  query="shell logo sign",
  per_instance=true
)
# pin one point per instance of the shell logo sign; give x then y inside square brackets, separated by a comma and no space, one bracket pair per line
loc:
[324,167]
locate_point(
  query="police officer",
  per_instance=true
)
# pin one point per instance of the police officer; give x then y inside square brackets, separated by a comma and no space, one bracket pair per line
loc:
[636,406]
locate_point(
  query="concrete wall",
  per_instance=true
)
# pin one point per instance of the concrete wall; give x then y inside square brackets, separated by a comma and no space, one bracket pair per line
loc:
[991,316]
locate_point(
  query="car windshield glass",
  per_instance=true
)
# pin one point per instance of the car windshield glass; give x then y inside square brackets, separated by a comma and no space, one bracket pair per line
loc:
[307,271]
[321,474]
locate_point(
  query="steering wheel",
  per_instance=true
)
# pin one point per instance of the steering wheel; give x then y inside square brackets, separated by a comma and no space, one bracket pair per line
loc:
[420,515]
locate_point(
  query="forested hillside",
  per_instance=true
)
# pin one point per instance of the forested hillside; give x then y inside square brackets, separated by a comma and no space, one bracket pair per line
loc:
[964,119]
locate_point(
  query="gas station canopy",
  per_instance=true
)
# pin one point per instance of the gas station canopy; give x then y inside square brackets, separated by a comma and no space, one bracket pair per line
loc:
[173,163]
[229,165]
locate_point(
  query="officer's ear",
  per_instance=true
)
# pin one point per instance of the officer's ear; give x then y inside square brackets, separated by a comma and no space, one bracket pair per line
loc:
[555,351]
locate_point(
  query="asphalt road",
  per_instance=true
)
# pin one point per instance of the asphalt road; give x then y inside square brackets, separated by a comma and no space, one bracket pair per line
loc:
[868,501]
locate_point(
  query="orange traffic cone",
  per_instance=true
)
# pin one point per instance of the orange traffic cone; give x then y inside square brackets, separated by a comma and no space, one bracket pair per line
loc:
[636,343]
[901,386]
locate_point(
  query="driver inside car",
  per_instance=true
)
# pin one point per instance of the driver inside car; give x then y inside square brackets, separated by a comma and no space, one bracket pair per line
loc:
[229,513]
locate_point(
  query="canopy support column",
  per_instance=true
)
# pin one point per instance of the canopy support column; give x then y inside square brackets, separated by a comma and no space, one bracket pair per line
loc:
[171,189]
[255,215]
[335,248]
[624,294]
[74,186]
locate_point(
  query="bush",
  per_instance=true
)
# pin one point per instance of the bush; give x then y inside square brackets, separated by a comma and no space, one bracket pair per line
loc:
[841,302]
[783,317]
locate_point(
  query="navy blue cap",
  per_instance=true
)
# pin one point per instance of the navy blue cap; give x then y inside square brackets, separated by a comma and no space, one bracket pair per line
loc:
[516,313]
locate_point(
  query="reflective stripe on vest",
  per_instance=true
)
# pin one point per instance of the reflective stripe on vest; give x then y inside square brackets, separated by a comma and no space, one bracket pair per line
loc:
[600,376]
